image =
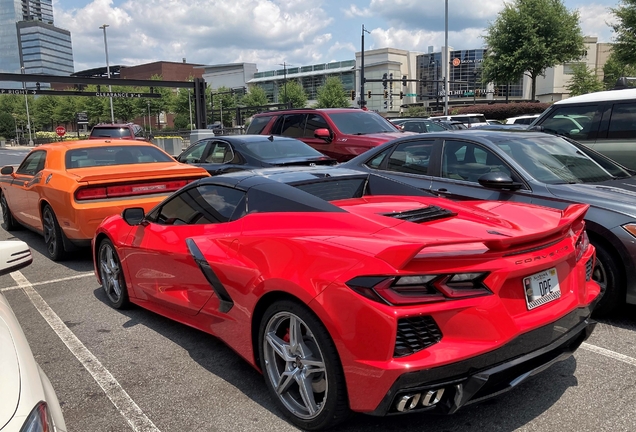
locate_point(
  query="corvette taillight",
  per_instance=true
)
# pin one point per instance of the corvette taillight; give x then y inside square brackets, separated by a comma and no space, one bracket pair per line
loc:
[582,243]
[132,189]
[417,289]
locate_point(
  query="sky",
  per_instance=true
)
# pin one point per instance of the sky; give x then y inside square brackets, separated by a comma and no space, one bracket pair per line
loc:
[272,32]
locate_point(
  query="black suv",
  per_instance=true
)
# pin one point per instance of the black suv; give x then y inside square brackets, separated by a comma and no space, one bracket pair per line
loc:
[129,131]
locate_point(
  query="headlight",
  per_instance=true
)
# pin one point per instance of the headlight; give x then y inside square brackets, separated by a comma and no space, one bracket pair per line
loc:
[39,420]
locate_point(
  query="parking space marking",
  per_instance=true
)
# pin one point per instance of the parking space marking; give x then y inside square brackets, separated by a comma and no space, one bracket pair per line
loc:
[608,353]
[79,276]
[115,392]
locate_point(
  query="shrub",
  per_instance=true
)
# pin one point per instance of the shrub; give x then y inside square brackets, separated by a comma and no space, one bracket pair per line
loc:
[502,111]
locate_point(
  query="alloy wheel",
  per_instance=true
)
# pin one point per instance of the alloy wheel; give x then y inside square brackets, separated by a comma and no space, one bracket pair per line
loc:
[599,275]
[295,365]
[110,272]
[50,235]
[5,210]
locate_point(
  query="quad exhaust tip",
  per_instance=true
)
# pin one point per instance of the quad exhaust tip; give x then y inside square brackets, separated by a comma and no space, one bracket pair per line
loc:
[428,399]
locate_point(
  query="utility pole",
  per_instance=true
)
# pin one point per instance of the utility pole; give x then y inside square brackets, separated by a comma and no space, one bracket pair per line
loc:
[362,101]
[446,66]
[112,115]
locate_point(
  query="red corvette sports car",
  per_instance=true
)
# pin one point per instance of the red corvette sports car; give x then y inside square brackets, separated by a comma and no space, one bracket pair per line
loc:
[353,292]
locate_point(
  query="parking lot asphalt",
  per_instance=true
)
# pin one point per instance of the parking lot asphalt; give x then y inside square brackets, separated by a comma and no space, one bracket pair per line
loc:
[135,370]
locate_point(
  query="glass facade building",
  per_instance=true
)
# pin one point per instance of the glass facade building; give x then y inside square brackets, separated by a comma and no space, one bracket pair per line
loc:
[465,78]
[29,39]
[310,77]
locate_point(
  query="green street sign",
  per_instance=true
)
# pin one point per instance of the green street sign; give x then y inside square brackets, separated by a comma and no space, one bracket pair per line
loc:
[411,94]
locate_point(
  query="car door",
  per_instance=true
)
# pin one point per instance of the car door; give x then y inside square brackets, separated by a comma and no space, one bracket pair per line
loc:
[461,165]
[22,193]
[314,122]
[161,262]
[222,158]
[407,161]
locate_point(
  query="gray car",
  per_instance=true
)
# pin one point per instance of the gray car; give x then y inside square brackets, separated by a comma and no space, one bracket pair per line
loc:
[529,167]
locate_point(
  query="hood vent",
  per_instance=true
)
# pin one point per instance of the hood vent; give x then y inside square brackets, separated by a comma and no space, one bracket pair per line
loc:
[425,214]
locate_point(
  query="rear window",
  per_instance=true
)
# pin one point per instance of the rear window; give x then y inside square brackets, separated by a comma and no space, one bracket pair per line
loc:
[335,189]
[114,155]
[280,149]
[111,132]
[257,125]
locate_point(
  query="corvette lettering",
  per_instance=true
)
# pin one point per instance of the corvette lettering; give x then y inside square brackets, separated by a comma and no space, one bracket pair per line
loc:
[543,256]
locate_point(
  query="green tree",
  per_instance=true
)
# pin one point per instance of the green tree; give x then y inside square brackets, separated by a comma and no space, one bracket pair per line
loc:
[625,32]
[416,111]
[97,108]
[255,97]
[223,104]
[614,69]
[583,80]
[332,95]
[43,110]
[65,109]
[528,37]
[293,93]
[7,126]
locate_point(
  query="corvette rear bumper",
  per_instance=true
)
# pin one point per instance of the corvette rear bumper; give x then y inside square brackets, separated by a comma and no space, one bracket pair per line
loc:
[489,374]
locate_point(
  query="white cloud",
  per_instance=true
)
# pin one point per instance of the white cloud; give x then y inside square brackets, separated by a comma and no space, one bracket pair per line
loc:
[420,40]
[595,20]
[354,11]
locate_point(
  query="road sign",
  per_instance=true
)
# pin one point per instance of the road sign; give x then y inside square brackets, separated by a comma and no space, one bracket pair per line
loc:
[60,130]
[411,94]
[81,117]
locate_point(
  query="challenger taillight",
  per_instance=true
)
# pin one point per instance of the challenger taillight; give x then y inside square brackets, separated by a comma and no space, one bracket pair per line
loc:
[582,243]
[126,190]
[417,289]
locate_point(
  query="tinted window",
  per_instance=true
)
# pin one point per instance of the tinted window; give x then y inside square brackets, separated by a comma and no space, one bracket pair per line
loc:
[200,205]
[194,153]
[293,125]
[411,157]
[314,121]
[623,121]
[33,163]
[417,127]
[220,152]
[468,161]
[258,124]
[280,148]
[111,132]
[114,155]
[571,121]
[377,160]
[335,189]
[358,122]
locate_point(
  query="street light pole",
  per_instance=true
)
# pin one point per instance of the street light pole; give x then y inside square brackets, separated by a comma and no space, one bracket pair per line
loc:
[149,118]
[112,115]
[363,103]
[284,65]
[446,54]
[26,103]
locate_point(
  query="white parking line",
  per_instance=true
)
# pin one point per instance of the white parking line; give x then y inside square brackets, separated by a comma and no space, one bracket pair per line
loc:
[118,396]
[608,353]
[81,275]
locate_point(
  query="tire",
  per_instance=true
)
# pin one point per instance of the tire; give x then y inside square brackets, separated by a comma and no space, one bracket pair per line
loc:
[607,274]
[286,365]
[52,235]
[112,276]
[8,221]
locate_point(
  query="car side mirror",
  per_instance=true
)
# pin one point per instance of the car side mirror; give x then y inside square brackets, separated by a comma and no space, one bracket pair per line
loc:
[6,170]
[537,128]
[14,255]
[323,134]
[498,180]
[133,216]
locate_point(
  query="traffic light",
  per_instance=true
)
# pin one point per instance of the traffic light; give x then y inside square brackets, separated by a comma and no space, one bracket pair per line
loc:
[404,80]
[353,95]
[369,94]
[401,95]
[384,80]
[386,94]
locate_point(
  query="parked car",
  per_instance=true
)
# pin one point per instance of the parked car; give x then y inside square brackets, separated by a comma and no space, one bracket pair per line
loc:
[450,124]
[64,190]
[421,126]
[239,152]
[351,291]
[340,133]
[127,131]
[522,120]
[494,122]
[527,167]
[604,121]
[469,120]
[28,400]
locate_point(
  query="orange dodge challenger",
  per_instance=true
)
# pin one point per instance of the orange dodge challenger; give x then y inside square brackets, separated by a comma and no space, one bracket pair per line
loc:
[64,190]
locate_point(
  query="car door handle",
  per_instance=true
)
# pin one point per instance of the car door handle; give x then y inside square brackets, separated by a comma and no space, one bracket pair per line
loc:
[442,190]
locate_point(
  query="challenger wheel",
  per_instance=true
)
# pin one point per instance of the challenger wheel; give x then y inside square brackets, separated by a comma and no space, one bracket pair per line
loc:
[8,222]
[301,367]
[111,274]
[608,276]
[52,235]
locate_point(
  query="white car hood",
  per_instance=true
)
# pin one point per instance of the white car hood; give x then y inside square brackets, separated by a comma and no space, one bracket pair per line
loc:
[9,368]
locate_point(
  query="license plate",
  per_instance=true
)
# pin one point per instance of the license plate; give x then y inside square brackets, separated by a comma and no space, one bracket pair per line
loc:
[541,288]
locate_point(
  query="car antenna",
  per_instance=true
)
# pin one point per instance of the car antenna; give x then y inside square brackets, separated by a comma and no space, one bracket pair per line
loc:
[271,138]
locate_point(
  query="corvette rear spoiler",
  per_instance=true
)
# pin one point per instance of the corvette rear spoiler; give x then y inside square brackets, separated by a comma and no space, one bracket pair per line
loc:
[400,255]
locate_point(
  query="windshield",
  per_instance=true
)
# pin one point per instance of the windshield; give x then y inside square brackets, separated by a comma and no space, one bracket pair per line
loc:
[554,160]
[278,149]
[361,122]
